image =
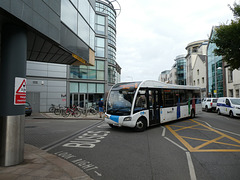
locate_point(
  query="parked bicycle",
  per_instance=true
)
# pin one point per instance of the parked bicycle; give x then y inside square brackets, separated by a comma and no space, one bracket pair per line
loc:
[52,108]
[71,111]
[86,111]
[59,110]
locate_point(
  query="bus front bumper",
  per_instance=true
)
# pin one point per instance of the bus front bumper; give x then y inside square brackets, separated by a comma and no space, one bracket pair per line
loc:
[119,120]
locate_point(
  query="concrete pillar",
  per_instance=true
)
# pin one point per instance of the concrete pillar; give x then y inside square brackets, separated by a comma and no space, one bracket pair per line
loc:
[12,117]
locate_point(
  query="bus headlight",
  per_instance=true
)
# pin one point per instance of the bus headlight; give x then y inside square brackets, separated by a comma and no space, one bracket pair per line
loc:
[127,119]
[107,116]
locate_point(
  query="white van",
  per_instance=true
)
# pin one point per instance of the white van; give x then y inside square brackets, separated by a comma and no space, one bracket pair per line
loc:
[229,106]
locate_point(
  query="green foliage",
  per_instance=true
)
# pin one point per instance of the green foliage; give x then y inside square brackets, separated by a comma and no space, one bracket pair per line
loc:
[227,40]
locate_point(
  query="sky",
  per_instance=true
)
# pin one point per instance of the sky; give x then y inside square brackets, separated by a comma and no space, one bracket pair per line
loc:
[151,33]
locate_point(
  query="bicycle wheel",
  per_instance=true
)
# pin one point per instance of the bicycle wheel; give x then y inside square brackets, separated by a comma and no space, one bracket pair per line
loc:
[76,113]
[65,113]
[57,111]
[51,109]
[93,111]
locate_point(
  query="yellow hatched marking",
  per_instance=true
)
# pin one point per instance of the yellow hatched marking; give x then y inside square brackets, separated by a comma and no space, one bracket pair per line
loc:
[191,128]
[207,142]
[188,146]
[188,127]
[228,144]
[225,135]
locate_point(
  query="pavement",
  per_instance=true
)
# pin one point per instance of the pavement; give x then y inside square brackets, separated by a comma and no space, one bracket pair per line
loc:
[41,165]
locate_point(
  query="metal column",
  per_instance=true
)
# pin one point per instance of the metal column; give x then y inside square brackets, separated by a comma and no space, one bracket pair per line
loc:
[12,117]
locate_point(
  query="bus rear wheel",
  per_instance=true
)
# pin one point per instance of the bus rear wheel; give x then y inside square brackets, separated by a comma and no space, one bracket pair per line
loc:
[141,125]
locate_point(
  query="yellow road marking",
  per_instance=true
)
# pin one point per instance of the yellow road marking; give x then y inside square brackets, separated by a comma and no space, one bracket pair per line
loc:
[188,127]
[183,127]
[206,142]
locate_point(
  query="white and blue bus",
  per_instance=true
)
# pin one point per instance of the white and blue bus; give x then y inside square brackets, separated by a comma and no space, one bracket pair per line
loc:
[146,103]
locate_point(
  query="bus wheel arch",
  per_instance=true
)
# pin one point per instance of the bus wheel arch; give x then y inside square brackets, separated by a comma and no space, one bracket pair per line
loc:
[141,124]
[192,113]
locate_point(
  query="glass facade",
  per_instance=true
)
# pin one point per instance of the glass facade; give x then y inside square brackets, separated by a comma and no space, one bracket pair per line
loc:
[79,17]
[215,74]
[106,8]
[181,70]
[88,72]
[88,83]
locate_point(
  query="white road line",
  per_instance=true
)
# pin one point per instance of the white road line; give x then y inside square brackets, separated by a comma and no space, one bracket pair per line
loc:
[220,129]
[227,131]
[204,122]
[175,144]
[163,132]
[191,167]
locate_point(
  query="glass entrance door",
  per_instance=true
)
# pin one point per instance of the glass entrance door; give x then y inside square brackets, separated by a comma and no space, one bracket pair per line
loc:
[154,108]
[78,100]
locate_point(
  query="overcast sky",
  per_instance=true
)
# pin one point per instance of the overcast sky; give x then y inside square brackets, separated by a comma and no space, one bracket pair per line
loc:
[150,34]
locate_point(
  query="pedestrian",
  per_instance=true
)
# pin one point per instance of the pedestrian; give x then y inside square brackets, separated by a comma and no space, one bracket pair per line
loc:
[100,104]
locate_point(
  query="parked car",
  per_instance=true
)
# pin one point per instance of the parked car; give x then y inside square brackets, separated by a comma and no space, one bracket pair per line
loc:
[28,109]
[209,104]
[228,106]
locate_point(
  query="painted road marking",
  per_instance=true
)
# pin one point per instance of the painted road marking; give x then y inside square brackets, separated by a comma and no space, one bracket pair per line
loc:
[190,166]
[87,140]
[235,143]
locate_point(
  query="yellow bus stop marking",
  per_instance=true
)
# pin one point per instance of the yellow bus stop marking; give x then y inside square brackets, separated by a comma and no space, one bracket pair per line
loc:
[205,142]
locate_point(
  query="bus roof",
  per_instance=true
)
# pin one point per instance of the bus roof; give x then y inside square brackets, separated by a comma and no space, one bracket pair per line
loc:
[158,84]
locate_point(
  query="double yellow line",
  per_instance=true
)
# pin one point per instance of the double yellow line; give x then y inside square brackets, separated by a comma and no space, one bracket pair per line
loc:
[205,142]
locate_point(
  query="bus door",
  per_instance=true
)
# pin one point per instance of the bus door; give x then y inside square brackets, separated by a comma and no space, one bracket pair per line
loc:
[153,106]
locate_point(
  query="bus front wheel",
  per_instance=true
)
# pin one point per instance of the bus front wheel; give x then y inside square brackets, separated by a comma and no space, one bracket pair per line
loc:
[141,125]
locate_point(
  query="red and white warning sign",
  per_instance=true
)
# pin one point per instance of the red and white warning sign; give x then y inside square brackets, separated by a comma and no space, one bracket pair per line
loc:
[20,91]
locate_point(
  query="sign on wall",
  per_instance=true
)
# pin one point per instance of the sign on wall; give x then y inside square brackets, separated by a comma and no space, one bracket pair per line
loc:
[20,91]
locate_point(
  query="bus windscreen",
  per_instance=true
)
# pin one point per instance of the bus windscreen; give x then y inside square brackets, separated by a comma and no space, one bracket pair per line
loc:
[121,98]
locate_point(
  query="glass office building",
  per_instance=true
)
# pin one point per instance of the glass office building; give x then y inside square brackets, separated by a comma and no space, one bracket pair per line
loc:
[215,71]
[181,69]
[94,22]
[90,83]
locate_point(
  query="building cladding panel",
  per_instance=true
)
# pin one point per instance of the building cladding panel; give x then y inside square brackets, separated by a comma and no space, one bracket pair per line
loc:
[214,71]
[42,19]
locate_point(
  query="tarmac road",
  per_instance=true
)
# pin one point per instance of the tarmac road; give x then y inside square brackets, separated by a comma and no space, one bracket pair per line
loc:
[207,147]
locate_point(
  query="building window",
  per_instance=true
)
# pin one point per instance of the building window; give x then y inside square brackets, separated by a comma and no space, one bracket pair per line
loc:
[202,80]
[194,83]
[100,47]
[194,49]
[230,93]
[100,24]
[73,87]
[198,72]
[88,72]
[198,81]
[237,93]
[230,76]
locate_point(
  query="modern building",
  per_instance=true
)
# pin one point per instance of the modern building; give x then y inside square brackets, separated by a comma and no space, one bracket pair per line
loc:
[199,74]
[173,74]
[232,82]
[216,81]
[193,50]
[181,70]
[79,84]
[164,76]
[41,31]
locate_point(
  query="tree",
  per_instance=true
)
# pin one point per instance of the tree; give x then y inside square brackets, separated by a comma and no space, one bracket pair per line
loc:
[227,39]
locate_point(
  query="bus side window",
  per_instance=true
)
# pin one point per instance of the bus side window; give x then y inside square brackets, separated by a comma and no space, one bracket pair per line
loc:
[141,101]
